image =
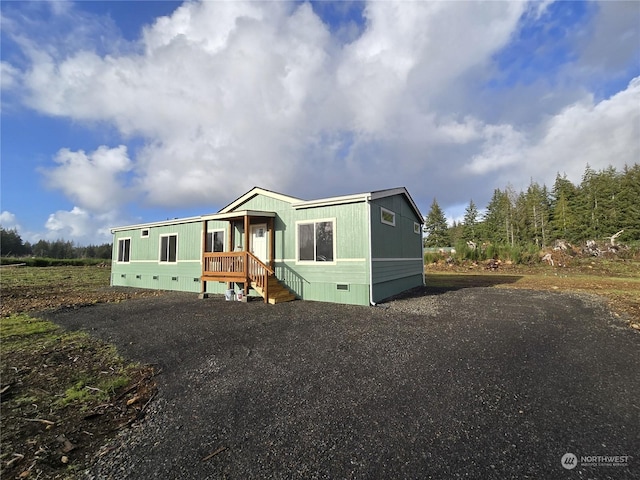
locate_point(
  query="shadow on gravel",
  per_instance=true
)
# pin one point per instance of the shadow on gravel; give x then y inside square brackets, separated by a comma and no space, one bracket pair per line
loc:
[437,284]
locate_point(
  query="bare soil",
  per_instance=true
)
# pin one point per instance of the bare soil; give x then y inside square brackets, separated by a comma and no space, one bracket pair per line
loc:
[42,440]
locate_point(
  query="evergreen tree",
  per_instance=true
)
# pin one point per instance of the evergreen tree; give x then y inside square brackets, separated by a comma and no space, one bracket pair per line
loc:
[563,216]
[497,221]
[435,227]
[470,222]
[629,203]
[11,243]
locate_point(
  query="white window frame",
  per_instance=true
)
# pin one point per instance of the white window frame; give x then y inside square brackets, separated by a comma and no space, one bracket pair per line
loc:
[416,228]
[387,222]
[124,239]
[313,222]
[167,262]
[224,238]
[143,231]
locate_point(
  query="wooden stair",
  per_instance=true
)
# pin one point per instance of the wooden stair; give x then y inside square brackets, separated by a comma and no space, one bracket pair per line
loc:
[278,293]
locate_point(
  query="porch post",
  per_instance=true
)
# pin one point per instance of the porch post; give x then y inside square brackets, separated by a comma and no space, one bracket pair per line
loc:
[246,233]
[272,243]
[203,282]
[247,221]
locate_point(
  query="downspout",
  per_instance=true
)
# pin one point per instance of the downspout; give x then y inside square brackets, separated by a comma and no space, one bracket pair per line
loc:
[370,251]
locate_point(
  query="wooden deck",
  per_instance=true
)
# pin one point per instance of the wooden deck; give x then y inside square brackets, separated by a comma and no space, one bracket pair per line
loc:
[244,267]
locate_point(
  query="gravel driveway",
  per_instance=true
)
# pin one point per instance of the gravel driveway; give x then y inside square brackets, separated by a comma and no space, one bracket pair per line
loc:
[475,383]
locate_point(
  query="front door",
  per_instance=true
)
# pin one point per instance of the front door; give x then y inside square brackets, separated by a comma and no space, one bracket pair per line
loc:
[259,242]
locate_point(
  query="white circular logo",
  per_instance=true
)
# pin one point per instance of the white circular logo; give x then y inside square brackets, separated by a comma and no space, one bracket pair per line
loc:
[569,461]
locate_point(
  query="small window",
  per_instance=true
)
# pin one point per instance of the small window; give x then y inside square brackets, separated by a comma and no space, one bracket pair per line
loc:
[315,241]
[168,248]
[416,228]
[387,217]
[215,241]
[144,233]
[124,250]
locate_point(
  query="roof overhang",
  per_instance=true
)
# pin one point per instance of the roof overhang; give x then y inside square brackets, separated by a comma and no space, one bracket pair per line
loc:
[175,221]
[254,192]
[237,214]
[360,197]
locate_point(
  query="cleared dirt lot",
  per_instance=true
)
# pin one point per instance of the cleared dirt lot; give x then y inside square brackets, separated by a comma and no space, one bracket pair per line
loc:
[476,383]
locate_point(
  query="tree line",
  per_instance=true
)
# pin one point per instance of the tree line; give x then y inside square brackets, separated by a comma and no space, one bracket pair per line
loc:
[601,205]
[11,245]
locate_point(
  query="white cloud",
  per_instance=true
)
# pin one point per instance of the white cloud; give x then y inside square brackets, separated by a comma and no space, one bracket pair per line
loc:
[228,95]
[92,180]
[8,220]
[83,226]
[598,134]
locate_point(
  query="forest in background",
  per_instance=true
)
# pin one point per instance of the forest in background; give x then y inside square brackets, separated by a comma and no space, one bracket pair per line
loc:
[12,245]
[518,225]
[514,226]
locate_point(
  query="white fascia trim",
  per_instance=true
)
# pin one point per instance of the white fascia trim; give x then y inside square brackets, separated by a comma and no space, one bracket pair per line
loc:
[175,221]
[257,191]
[293,260]
[239,213]
[398,191]
[415,259]
[324,202]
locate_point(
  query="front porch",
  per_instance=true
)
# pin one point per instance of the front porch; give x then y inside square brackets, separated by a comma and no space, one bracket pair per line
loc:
[247,259]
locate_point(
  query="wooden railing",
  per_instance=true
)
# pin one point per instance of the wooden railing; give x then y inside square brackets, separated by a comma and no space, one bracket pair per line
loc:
[242,267]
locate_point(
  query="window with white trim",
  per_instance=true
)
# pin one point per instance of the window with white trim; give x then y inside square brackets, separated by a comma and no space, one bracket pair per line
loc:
[315,241]
[416,228]
[215,241]
[169,248]
[144,233]
[124,250]
[387,217]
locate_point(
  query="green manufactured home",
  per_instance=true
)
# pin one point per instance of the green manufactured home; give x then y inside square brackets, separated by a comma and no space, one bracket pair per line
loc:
[356,249]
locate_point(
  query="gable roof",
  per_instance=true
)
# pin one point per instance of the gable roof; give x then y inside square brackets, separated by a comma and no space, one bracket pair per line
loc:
[254,192]
[361,197]
[298,203]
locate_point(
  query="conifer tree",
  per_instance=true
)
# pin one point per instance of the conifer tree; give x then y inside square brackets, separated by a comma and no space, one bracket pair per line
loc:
[435,227]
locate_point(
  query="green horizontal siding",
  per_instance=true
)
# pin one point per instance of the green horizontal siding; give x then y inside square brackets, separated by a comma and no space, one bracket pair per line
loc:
[384,290]
[144,270]
[320,282]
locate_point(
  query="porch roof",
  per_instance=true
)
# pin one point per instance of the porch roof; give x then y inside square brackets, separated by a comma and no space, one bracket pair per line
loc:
[238,214]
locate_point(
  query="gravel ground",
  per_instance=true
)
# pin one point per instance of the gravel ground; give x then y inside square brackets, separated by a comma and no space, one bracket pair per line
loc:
[476,383]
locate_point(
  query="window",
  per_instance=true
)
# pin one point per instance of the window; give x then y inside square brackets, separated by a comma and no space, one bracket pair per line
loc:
[215,241]
[416,228]
[315,241]
[387,217]
[168,248]
[144,233]
[124,249]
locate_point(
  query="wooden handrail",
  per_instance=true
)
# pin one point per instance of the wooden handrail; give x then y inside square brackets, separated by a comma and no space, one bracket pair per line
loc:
[242,267]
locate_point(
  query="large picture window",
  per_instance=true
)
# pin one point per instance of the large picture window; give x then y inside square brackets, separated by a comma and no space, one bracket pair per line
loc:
[215,241]
[124,250]
[315,241]
[168,248]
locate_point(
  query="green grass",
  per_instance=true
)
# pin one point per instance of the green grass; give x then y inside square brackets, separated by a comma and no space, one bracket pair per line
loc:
[53,262]
[23,326]
[81,278]
[83,370]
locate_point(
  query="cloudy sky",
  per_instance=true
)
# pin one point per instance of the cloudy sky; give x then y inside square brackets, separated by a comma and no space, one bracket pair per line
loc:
[134,111]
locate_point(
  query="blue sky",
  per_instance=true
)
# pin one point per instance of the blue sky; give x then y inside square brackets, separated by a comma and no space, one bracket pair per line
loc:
[135,111]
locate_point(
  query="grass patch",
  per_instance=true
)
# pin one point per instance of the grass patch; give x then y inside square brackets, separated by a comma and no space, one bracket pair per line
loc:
[22,325]
[59,384]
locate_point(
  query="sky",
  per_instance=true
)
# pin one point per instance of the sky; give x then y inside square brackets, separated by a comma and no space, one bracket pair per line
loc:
[125,112]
